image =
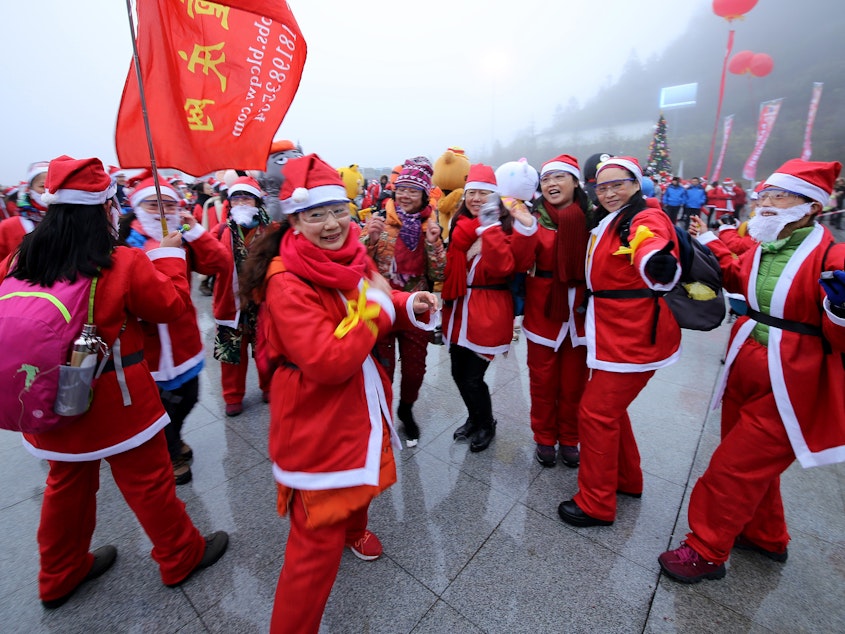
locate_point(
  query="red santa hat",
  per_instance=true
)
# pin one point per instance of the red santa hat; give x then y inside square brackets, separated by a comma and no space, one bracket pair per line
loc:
[77,181]
[625,162]
[35,169]
[246,184]
[729,182]
[147,189]
[310,182]
[813,179]
[481,177]
[115,171]
[562,163]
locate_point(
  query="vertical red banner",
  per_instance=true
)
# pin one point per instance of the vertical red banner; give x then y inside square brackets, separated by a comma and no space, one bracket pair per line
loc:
[726,135]
[218,79]
[807,151]
[768,114]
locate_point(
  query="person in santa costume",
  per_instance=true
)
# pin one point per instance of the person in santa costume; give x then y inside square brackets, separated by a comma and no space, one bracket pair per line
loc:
[331,431]
[407,247]
[124,424]
[553,325]
[174,350]
[781,392]
[237,318]
[29,210]
[487,245]
[632,259]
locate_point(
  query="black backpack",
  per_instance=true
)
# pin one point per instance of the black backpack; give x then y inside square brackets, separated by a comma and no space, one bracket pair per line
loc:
[697,300]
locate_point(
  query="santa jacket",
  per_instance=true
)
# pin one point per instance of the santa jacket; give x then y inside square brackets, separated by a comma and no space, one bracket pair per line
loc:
[621,333]
[12,231]
[133,288]
[537,325]
[175,348]
[482,320]
[329,397]
[806,380]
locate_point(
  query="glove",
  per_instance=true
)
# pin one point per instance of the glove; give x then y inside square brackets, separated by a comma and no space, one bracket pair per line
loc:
[661,266]
[490,211]
[834,286]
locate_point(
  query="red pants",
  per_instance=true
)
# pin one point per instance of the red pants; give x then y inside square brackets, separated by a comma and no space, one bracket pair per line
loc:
[312,558]
[610,460]
[233,377]
[740,491]
[144,476]
[413,348]
[557,381]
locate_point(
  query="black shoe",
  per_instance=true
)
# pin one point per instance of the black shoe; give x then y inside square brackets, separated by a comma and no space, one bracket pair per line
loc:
[744,543]
[465,431]
[205,288]
[104,558]
[569,455]
[546,455]
[412,430]
[482,438]
[628,494]
[571,513]
[215,546]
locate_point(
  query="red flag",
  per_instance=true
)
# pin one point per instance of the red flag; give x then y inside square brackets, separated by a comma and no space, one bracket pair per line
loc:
[811,117]
[768,114]
[218,80]
[726,134]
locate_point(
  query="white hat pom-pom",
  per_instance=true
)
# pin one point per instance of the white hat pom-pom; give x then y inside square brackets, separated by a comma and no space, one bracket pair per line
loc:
[300,195]
[48,198]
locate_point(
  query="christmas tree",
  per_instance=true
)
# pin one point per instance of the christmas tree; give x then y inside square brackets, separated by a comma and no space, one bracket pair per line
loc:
[658,150]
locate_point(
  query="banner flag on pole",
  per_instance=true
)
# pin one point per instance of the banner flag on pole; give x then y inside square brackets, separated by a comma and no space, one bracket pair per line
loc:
[726,134]
[218,78]
[768,114]
[811,118]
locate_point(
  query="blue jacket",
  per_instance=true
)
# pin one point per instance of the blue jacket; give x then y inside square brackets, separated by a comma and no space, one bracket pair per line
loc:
[696,197]
[674,196]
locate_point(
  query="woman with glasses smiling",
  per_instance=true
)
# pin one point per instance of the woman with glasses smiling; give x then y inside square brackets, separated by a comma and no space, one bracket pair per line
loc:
[631,332]
[331,434]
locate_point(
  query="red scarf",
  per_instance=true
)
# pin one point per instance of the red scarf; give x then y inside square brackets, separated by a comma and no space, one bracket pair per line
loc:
[570,252]
[341,269]
[461,238]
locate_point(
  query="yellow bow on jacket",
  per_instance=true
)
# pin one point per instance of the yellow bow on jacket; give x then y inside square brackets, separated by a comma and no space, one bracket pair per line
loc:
[357,311]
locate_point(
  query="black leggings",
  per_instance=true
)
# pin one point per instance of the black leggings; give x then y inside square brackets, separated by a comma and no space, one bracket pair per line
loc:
[178,403]
[468,370]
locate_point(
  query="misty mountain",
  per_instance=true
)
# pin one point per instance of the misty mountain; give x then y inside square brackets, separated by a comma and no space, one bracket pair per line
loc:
[807,43]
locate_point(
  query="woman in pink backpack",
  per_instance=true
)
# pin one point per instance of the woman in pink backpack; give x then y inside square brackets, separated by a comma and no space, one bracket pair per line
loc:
[77,238]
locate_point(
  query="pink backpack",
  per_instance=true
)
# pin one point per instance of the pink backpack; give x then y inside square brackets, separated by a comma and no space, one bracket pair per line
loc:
[38,326]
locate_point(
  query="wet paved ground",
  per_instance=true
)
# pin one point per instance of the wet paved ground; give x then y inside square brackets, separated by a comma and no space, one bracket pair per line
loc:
[472,541]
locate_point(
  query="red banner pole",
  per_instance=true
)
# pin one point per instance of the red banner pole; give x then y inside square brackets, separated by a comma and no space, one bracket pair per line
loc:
[721,96]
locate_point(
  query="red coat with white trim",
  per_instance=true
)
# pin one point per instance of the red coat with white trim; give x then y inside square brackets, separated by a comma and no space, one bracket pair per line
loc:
[806,381]
[537,325]
[174,348]
[133,288]
[619,331]
[482,320]
[329,397]
[12,232]
[226,305]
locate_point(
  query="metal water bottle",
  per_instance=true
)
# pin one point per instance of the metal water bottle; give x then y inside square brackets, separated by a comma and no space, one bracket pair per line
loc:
[85,347]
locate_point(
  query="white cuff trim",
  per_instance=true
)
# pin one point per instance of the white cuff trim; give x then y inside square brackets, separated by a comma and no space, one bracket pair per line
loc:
[166,252]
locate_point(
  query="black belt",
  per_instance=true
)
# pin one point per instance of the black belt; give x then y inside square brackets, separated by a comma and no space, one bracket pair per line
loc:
[129,359]
[631,293]
[490,287]
[784,324]
[540,273]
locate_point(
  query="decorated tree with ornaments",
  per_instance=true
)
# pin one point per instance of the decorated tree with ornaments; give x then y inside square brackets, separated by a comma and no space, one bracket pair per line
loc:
[658,149]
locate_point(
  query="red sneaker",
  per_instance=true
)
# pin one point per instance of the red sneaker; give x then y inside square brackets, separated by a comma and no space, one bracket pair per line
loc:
[234,409]
[367,547]
[687,566]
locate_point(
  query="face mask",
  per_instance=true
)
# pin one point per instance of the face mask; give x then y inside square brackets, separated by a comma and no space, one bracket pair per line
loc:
[245,215]
[767,228]
[151,223]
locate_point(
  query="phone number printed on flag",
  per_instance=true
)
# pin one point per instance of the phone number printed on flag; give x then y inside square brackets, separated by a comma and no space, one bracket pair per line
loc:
[262,91]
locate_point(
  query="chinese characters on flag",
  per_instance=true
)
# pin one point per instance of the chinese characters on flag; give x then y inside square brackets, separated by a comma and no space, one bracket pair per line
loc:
[218,80]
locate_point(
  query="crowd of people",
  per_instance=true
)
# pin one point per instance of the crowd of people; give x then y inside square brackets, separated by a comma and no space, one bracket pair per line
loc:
[326,295]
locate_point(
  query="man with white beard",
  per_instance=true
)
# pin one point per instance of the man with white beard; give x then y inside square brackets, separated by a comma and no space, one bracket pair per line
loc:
[781,391]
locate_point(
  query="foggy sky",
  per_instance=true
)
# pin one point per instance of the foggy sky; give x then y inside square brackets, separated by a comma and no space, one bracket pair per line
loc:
[383,80]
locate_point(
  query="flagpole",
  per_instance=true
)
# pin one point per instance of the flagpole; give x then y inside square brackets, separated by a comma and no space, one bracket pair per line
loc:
[137,63]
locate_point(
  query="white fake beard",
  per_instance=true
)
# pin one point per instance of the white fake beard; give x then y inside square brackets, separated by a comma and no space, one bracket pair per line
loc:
[151,224]
[244,215]
[767,228]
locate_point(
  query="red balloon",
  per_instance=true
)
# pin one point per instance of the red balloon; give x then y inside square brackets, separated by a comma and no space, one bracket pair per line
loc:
[732,9]
[761,65]
[740,62]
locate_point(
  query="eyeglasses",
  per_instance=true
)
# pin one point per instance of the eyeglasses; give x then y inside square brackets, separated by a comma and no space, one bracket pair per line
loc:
[319,216]
[553,179]
[612,186]
[775,195]
[240,200]
[152,204]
